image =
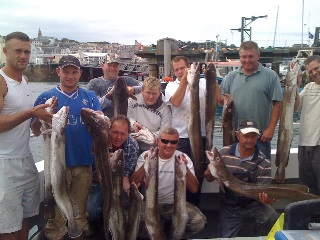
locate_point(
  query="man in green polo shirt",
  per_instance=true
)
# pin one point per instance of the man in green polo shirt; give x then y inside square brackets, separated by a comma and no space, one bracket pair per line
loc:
[256,92]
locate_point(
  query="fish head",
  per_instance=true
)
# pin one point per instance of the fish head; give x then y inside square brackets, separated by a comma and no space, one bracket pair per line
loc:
[145,135]
[210,72]
[217,167]
[60,120]
[194,74]
[180,167]
[117,161]
[120,87]
[292,76]
[94,121]
[228,110]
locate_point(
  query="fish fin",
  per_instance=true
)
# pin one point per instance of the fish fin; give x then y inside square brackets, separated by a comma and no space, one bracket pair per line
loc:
[221,185]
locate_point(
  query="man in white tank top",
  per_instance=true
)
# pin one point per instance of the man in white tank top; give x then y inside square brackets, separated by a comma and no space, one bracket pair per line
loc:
[19,180]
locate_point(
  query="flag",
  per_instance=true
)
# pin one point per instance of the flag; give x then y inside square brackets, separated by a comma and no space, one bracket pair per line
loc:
[310,36]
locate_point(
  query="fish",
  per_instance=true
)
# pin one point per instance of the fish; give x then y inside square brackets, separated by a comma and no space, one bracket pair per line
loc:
[194,127]
[98,127]
[46,129]
[179,216]
[285,134]
[211,104]
[117,216]
[58,168]
[133,223]
[228,123]
[120,96]
[153,222]
[144,136]
[219,170]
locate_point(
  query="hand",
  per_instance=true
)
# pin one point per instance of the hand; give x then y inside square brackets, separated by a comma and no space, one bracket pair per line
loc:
[137,127]
[263,197]
[184,78]
[226,98]
[267,135]
[184,159]
[131,90]
[40,112]
[208,176]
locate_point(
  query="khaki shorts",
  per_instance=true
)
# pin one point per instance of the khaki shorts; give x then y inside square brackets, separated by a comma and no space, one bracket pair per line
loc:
[19,192]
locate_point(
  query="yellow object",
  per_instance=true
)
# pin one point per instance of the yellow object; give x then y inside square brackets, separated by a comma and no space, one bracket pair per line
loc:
[278,226]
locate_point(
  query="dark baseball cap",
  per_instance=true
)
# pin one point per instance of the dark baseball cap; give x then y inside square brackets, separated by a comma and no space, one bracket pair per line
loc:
[69,60]
[248,126]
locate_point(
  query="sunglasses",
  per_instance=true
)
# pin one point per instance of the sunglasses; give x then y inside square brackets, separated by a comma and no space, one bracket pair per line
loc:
[165,141]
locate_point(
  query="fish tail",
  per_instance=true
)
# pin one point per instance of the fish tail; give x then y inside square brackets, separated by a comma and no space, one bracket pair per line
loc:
[280,176]
[73,229]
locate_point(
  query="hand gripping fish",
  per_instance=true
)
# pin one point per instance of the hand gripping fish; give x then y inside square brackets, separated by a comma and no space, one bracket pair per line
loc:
[179,216]
[218,169]
[98,127]
[58,169]
[46,130]
[194,126]
[285,134]
[145,136]
[117,216]
[153,222]
[211,104]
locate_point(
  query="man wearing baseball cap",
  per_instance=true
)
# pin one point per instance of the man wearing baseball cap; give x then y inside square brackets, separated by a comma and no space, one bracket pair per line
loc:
[103,85]
[248,164]
[78,145]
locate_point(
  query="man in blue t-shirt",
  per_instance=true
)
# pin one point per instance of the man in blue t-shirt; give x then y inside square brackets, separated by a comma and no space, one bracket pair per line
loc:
[79,159]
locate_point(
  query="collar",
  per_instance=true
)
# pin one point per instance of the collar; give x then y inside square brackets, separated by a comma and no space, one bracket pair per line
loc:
[234,149]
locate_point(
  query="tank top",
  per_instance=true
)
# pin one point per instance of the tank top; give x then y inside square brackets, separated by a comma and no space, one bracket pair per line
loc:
[15,142]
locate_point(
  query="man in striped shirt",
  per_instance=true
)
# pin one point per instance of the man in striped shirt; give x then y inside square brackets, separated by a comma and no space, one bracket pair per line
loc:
[248,164]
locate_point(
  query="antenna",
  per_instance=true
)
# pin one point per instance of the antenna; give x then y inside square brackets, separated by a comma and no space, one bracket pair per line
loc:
[275,31]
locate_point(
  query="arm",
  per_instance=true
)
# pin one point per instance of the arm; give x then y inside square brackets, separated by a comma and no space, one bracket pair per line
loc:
[268,133]
[297,101]
[208,175]
[178,96]
[218,93]
[138,176]
[165,121]
[192,182]
[134,86]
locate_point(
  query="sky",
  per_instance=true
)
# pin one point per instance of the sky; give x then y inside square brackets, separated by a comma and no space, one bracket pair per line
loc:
[125,21]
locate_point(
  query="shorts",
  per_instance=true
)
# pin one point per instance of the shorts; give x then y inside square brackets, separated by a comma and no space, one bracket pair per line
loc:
[19,192]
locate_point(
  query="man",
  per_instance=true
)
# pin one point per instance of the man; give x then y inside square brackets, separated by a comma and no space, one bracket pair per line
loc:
[256,92]
[177,95]
[308,101]
[248,164]
[149,110]
[19,178]
[103,85]
[168,143]
[79,158]
[119,139]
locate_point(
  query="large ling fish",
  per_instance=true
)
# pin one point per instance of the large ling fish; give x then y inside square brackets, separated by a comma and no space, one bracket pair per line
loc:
[285,134]
[144,136]
[98,127]
[194,126]
[46,130]
[211,104]
[153,222]
[58,170]
[179,216]
[228,123]
[120,96]
[219,170]
[135,198]
[117,216]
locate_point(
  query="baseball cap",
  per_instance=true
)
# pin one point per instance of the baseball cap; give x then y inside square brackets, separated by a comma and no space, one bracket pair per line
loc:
[69,60]
[112,58]
[248,126]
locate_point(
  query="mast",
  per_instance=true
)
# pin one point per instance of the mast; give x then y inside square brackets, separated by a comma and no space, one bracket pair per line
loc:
[302,24]
[275,31]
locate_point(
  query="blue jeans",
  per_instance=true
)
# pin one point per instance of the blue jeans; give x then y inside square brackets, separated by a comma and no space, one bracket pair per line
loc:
[95,202]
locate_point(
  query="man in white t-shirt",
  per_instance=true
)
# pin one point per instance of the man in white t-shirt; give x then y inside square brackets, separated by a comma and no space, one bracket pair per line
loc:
[308,101]
[168,144]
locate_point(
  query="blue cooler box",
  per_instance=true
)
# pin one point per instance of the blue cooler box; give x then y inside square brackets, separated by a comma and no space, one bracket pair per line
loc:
[297,235]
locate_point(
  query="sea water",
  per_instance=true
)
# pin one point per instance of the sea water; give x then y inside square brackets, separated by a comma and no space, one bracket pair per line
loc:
[36,142]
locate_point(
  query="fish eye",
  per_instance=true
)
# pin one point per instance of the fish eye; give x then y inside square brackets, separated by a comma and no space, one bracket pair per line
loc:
[229,110]
[218,159]
[119,162]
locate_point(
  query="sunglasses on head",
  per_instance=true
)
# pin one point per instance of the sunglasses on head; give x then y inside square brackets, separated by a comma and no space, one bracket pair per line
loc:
[165,141]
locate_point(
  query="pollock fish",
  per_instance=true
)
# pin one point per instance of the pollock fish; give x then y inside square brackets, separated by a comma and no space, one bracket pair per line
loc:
[285,134]
[194,126]
[117,216]
[219,170]
[153,222]
[58,169]
[228,123]
[98,126]
[211,104]
[120,96]
[144,136]
[135,198]
[179,216]
[46,130]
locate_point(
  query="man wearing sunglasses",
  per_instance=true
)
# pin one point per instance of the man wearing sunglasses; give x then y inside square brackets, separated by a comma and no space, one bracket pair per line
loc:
[168,143]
